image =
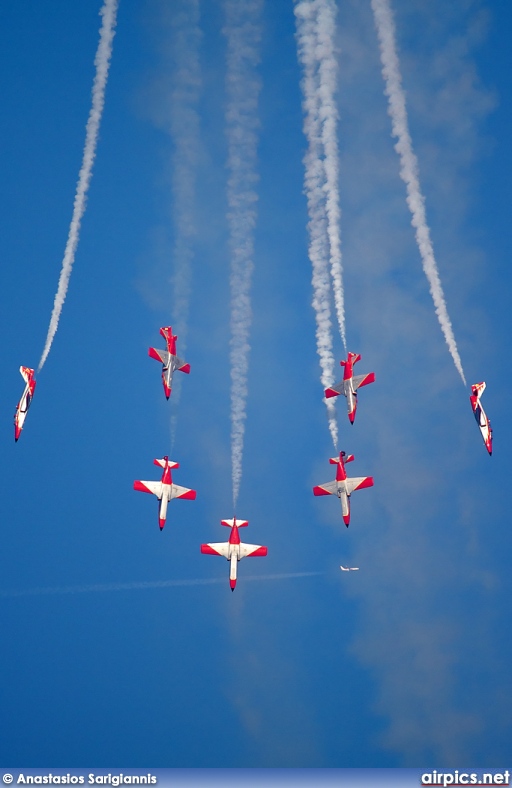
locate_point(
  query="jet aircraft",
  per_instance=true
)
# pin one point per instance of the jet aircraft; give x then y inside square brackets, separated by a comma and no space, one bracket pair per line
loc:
[234,550]
[26,398]
[343,486]
[165,490]
[349,568]
[169,359]
[350,383]
[481,418]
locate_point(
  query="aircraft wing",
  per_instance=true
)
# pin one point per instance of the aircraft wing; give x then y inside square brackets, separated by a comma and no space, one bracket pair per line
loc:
[182,492]
[216,548]
[252,550]
[149,487]
[181,365]
[329,488]
[160,355]
[334,391]
[363,380]
[358,483]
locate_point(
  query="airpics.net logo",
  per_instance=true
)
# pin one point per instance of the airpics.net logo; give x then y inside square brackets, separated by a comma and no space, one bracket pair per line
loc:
[465,778]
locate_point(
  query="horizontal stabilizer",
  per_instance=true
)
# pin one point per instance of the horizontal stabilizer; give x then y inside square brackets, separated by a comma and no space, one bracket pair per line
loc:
[234,521]
[335,460]
[162,462]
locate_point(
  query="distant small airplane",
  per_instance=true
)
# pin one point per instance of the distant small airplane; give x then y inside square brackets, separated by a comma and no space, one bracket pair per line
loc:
[481,418]
[342,486]
[349,568]
[169,359]
[350,383]
[26,398]
[165,490]
[234,550]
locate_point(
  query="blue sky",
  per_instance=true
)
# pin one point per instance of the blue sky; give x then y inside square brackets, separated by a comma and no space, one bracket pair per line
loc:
[404,663]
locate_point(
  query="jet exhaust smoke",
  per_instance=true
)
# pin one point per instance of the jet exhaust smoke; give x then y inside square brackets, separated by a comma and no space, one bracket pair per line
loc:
[409,170]
[184,130]
[143,585]
[102,63]
[315,52]
[243,33]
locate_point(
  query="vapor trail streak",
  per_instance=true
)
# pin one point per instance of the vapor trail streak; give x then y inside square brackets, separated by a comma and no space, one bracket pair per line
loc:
[409,171]
[314,181]
[327,79]
[103,587]
[243,33]
[185,133]
[102,63]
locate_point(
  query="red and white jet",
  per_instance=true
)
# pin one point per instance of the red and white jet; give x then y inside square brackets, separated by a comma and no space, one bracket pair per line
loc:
[165,490]
[26,398]
[169,359]
[343,486]
[234,550]
[481,418]
[350,383]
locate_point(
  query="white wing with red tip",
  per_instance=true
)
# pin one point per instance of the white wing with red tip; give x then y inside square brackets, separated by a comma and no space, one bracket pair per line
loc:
[160,355]
[182,492]
[216,548]
[329,488]
[358,483]
[254,550]
[169,490]
[348,486]
[363,380]
[155,488]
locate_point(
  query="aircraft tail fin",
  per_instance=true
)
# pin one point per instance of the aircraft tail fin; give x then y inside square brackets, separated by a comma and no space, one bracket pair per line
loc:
[26,373]
[478,389]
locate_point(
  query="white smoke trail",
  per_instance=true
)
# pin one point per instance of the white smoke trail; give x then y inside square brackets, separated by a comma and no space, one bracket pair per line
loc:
[143,585]
[314,179]
[243,33]
[409,171]
[184,129]
[327,79]
[102,63]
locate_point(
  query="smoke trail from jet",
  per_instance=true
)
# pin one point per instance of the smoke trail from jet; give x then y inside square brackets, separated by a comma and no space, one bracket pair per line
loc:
[327,79]
[243,33]
[143,585]
[102,63]
[409,170]
[184,129]
[314,182]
